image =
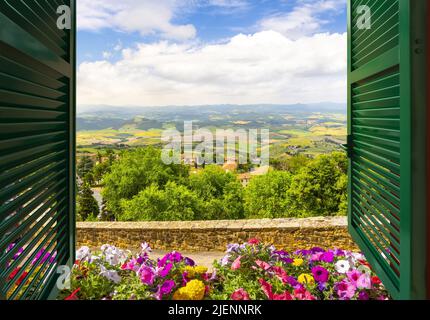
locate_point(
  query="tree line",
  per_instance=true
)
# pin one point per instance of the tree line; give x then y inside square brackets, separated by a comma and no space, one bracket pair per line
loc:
[139,186]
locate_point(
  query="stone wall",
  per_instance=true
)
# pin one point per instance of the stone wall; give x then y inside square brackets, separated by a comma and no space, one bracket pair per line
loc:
[287,234]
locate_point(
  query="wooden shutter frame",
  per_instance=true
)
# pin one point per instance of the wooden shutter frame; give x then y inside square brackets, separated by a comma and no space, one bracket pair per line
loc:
[411,60]
[49,64]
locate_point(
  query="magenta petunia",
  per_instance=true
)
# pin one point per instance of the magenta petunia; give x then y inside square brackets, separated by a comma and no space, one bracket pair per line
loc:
[163,272]
[147,275]
[327,257]
[320,274]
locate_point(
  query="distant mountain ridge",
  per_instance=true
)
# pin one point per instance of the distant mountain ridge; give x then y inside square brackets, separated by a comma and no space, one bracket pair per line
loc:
[104,117]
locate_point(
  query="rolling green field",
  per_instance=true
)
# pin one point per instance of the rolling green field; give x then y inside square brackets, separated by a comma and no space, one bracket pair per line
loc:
[292,132]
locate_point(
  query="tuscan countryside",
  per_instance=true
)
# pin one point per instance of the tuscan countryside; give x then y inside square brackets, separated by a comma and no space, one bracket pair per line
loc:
[206,158]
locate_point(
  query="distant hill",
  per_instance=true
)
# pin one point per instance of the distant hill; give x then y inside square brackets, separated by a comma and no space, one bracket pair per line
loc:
[104,117]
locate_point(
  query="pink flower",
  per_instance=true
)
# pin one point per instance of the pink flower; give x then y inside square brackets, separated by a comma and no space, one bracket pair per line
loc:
[281,274]
[303,294]
[263,265]
[132,265]
[283,296]
[239,295]
[236,263]
[364,282]
[316,256]
[267,288]
[345,290]
[353,276]
[254,241]
[147,275]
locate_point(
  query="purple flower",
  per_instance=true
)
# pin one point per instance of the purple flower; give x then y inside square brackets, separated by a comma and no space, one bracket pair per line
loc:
[165,270]
[322,286]
[165,288]
[189,262]
[20,250]
[320,274]
[147,275]
[339,253]
[302,252]
[327,257]
[233,247]
[293,282]
[317,250]
[172,257]
[363,295]
[282,256]
[42,256]
[184,278]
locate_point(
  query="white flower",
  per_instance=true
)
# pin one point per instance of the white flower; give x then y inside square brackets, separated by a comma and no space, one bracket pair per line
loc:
[83,253]
[113,255]
[225,260]
[111,275]
[342,266]
[145,248]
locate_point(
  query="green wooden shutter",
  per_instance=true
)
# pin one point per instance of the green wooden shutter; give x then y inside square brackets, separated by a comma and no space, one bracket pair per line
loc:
[37,136]
[386,141]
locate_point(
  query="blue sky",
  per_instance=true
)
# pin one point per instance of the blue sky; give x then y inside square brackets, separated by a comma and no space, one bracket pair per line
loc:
[176,52]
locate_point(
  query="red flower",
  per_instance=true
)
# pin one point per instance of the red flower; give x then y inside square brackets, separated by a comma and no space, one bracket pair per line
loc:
[73,296]
[254,241]
[365,263]
[240,295]
[375,280]
[303,294]
[267,289]
[284,296]
[21,278]
[281,274]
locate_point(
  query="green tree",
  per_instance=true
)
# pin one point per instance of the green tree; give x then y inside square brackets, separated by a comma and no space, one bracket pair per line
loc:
[135,171]
[291,163]
[85,165]
[87,206]
[266,196]
[105,214]
[99,170]
[221,192]
[319,188]
[173,203]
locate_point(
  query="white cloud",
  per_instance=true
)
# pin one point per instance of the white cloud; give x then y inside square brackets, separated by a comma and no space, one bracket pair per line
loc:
[106,54]
[304,20]
[143,16]
[266,67]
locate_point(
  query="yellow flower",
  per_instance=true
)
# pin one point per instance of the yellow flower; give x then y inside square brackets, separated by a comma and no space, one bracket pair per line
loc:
[194,290]
[306,278]
[298,262]
[193,271]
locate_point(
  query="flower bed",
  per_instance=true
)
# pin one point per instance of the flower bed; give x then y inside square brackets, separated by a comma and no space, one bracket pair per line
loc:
[250,271]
